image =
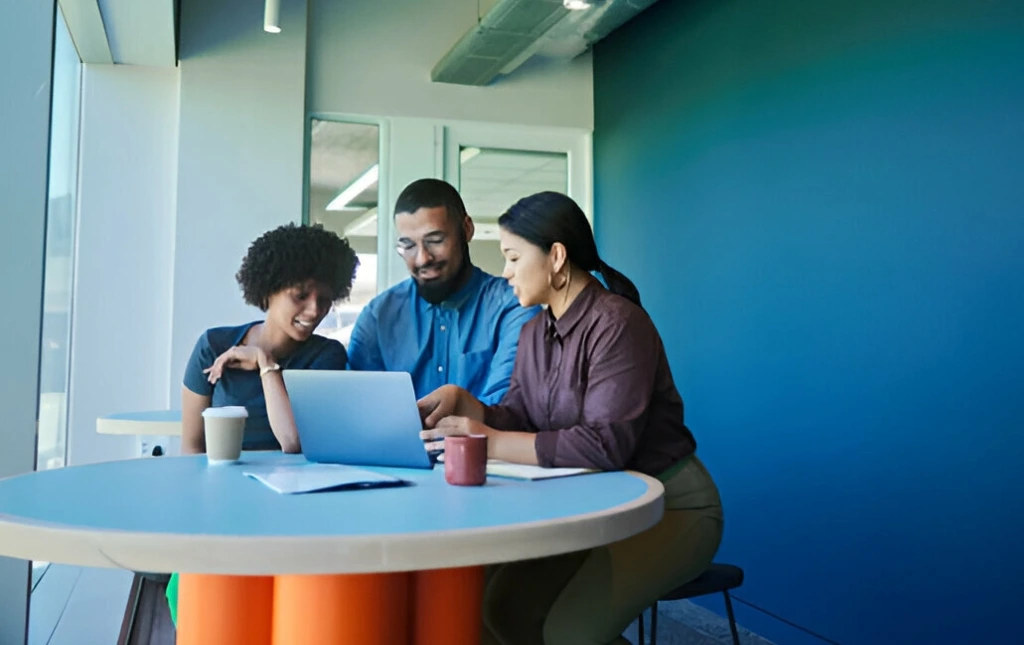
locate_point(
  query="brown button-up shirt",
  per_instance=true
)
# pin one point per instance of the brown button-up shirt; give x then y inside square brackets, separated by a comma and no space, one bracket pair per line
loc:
[596,387]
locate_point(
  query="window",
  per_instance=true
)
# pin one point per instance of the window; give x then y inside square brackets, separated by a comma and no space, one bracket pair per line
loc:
[344,166]
[60,246]
[491,180]
[61,211]
[493,166]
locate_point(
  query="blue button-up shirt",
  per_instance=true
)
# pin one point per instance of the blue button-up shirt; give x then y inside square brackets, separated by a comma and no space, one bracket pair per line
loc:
[468,340]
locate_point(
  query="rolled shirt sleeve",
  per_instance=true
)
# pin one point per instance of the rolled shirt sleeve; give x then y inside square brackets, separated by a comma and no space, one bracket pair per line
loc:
[619,389]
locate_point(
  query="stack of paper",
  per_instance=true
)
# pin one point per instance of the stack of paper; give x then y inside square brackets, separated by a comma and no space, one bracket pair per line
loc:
[311,477]
[499,468]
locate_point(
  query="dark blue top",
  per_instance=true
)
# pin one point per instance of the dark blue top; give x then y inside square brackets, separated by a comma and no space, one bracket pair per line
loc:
[469,339]
[244,387]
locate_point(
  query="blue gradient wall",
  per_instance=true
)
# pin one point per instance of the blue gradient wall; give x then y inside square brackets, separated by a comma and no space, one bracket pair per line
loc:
[823,206]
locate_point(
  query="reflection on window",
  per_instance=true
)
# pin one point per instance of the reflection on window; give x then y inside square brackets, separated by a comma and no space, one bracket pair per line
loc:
[491,180]
[54,352]
[60,244]
[343,196]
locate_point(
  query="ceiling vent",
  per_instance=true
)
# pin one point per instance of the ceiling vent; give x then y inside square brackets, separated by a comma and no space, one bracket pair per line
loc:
[515,30]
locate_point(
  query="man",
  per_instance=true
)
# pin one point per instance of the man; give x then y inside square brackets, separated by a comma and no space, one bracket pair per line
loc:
[450,323]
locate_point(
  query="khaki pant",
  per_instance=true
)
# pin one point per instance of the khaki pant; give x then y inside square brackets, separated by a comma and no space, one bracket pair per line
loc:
[590,597]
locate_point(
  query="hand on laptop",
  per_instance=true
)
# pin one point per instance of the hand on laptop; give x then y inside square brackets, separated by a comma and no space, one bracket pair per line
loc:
[448,400]
[452,427]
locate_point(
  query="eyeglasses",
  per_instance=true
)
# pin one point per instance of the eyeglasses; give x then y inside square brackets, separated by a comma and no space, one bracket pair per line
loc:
[410,249]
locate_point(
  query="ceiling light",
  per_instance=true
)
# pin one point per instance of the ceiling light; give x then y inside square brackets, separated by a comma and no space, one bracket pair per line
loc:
[353,190]
[363,226]
[272,17]
[577,5]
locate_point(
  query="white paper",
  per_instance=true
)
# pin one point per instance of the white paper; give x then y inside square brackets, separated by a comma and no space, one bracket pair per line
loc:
[498,468]
[307,478]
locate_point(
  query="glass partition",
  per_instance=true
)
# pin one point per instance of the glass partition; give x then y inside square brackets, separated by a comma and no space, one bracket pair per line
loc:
[344,167]
[491,180]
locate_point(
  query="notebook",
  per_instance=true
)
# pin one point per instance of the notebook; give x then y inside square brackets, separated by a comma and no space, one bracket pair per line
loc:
[313,477]
[499,468]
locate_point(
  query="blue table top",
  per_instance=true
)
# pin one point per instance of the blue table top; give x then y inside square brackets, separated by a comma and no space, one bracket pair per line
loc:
[179,500]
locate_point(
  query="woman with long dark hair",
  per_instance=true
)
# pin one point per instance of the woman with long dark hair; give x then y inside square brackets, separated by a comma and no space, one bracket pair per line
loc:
[591,388]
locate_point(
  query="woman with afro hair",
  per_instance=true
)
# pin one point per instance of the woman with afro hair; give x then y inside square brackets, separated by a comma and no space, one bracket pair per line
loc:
[294,274]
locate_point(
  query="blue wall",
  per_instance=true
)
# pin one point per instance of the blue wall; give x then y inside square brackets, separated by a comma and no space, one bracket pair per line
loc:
[823,206]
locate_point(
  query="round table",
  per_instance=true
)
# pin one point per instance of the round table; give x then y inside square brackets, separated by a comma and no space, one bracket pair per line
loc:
[155,422]
[372,566]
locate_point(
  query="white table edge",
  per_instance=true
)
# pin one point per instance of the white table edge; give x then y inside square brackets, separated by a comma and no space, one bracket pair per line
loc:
[106,425]
[250,555]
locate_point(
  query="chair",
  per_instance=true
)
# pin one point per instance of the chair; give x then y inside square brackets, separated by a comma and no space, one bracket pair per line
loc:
[718,578]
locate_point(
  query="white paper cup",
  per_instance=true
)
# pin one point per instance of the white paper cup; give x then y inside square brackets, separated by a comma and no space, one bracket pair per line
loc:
[224,428]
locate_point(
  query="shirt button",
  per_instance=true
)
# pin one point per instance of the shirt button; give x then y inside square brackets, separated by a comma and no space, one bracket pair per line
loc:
[443,328]
[440,369]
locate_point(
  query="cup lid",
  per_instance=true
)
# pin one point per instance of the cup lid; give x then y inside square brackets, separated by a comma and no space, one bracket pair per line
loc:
[226,412]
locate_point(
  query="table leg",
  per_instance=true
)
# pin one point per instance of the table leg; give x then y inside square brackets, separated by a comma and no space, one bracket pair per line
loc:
[227,610]
[447,606]
[354,609]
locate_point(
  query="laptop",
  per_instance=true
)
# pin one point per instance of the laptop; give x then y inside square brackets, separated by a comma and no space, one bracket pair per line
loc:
[357,418]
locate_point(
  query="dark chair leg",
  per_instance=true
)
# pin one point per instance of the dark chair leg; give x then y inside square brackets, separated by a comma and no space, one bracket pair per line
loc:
[654,623]
[640,628]
[732,619]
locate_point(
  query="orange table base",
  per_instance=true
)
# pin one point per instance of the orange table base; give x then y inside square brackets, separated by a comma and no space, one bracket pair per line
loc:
[369,609]
[435,594]
[227,610]
[439,607]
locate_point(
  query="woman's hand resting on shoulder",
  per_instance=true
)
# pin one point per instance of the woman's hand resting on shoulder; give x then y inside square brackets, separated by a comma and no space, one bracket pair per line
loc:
[239,357]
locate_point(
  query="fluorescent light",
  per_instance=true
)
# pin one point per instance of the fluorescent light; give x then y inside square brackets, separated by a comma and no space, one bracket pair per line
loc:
[364,181]
[363,226]
[577,5]
[272,17]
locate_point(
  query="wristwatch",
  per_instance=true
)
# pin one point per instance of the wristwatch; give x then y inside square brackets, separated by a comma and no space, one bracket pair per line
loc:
[269,368]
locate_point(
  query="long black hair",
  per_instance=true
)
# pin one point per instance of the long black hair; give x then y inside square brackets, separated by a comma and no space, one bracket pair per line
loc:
[545,218]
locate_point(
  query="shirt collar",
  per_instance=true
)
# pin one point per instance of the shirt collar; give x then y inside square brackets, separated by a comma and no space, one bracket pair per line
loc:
[579,307]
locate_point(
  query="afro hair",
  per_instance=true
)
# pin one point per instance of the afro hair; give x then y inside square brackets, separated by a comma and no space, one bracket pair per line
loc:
[294,254]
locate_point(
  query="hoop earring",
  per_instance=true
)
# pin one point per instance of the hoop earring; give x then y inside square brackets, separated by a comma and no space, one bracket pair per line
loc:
[568,284]
[561,284]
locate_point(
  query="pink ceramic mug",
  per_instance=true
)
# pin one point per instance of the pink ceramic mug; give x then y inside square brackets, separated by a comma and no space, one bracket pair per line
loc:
[465,460]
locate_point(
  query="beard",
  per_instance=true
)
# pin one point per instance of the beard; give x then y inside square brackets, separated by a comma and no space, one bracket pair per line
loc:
[438,290]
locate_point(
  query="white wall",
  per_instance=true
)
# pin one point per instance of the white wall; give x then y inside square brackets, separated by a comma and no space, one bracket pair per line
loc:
[240,155]
[26,46]
[122,311]
[374,58]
